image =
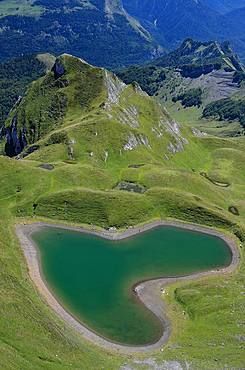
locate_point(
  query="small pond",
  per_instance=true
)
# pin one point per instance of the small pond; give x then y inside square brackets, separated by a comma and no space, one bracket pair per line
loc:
[93,277]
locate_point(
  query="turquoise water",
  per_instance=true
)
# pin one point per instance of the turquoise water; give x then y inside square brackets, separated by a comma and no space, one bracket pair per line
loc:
[93,277]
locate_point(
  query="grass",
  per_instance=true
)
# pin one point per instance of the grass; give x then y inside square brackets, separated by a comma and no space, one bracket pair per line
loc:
[207,315]
[192,117]
[208,333]
[19,7]
[210,304]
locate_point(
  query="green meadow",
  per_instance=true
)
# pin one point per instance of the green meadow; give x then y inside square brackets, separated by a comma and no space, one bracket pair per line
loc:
[86,145]
[19,7]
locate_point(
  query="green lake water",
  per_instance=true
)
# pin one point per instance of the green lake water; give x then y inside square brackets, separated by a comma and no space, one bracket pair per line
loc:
[93,277]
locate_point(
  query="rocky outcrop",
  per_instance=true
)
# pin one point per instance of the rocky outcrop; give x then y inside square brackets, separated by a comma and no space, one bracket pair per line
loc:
[114,6]
[15,139]
[135,140]
[138,89]
[198,133]
[114,88]
[129,116]
[58,69]
[195,71]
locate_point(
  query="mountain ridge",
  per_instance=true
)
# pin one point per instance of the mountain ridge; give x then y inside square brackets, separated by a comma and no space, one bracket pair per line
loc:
[74,91]
[191,52]
[196,75]
[172,22]
[132,31]
[86,149]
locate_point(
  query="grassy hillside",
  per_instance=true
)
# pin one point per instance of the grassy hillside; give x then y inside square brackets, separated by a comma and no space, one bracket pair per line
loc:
[192,117]
[16,75]
[20,7]
[111,134]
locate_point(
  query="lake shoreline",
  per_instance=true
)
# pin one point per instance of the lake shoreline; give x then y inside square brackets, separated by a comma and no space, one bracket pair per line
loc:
[148,292]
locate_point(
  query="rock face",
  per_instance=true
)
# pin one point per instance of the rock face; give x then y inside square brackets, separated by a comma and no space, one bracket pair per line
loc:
[216,85]
[15,141]
[46,106]
[2,132]
[58,69]
[113,6]
[114,87]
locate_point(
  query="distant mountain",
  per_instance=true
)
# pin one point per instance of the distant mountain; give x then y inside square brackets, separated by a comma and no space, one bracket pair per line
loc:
[176,19]
[114,33]
[196,74]
[237,22]
[99,31]
[173,21]
[224,6]
[194,58]
[191,60]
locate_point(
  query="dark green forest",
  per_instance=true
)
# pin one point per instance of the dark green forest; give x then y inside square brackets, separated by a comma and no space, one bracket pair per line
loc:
[15,76]
[190,98]
[226,110]
[148,77]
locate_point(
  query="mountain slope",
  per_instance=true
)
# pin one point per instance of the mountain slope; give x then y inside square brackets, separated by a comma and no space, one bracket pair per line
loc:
[16,75]
[90,143]
[196,74]
[83,118]
[76,104]
[209,55]
[109,33]
[224,6]
[193,60]
[173,21]
[99,31]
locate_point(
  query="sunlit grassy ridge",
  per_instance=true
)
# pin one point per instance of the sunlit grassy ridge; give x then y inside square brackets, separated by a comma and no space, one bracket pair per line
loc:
[116,137]
[19,7]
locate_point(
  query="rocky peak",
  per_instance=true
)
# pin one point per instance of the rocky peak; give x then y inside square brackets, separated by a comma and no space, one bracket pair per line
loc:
[203,56]
[113,6]
[58,68]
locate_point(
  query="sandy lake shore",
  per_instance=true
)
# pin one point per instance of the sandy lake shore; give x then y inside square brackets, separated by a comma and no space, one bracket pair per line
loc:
[149,292]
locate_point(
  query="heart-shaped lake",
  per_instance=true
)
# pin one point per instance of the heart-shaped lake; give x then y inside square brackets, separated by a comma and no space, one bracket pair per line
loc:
[93,277]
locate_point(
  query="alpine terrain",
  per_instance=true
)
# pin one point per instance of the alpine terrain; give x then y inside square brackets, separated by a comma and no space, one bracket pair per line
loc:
[197,81]
[122,184]
[83,148]
[98,30]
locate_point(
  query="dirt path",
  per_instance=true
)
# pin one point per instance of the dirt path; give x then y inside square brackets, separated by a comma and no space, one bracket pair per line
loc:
[149,292]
